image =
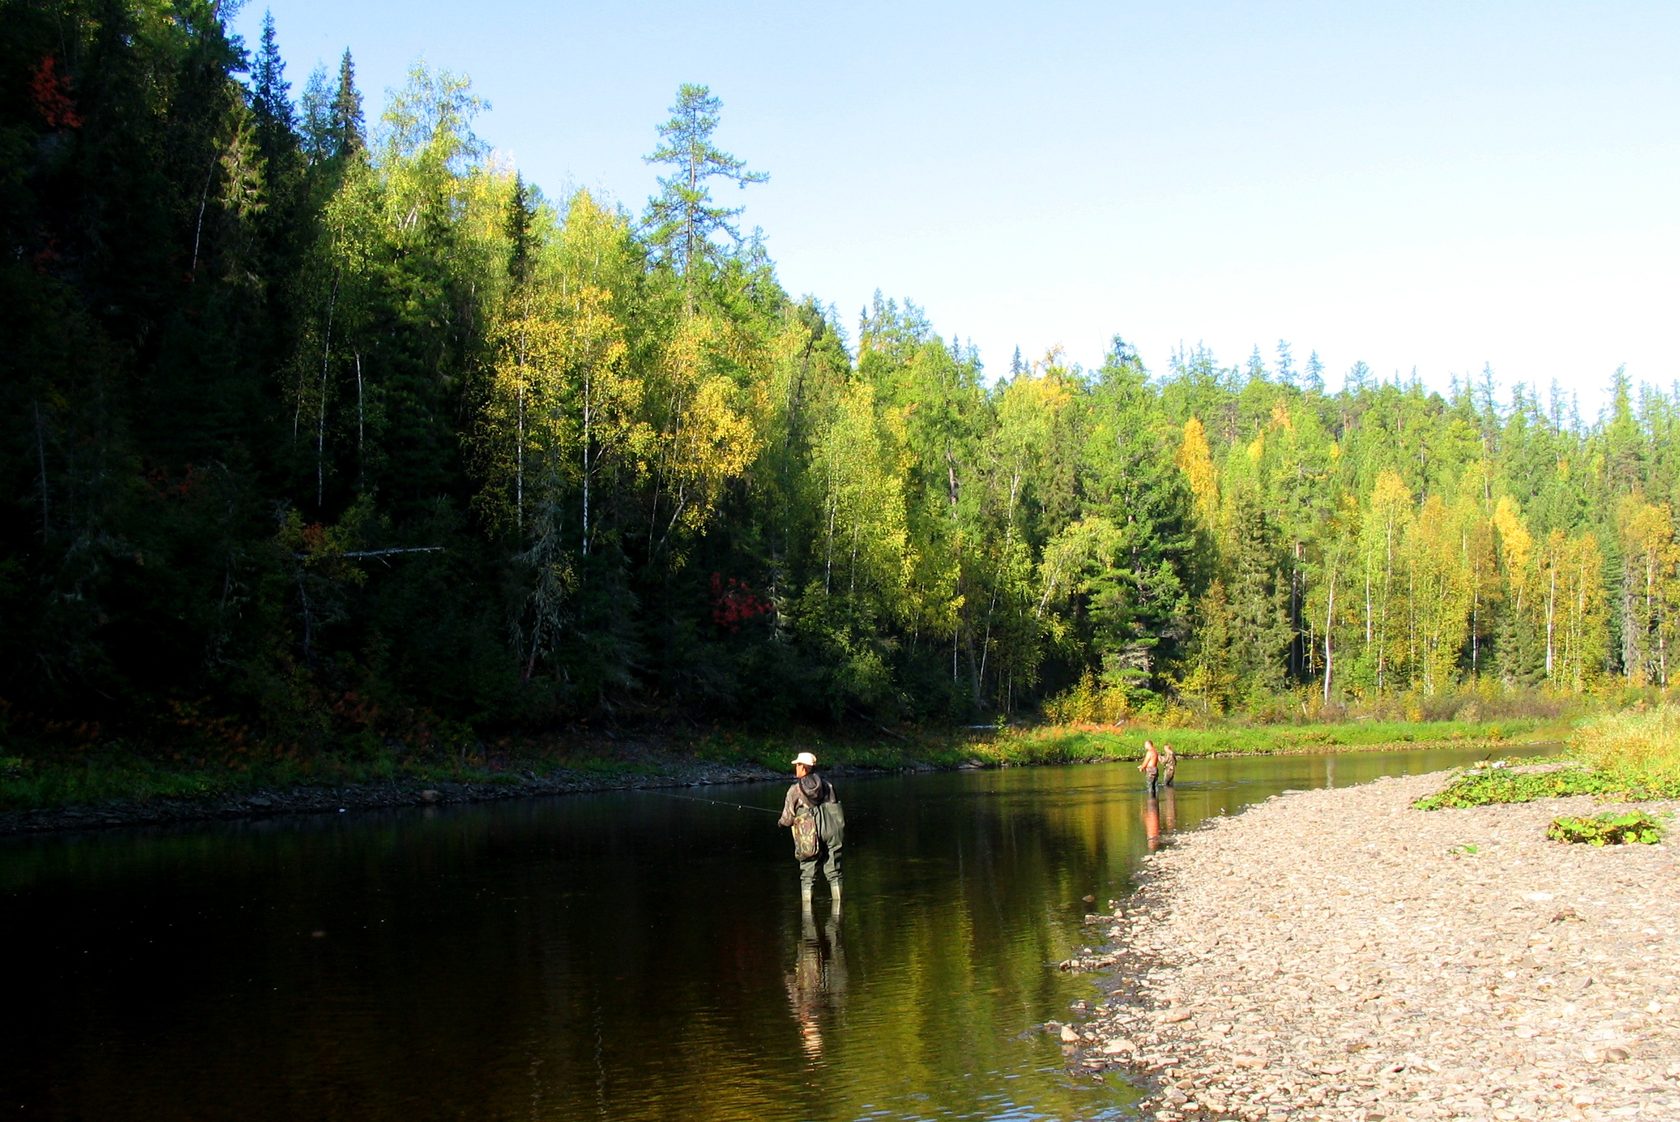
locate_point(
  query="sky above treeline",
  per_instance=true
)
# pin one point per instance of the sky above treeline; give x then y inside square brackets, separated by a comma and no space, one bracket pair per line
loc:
[1428,187]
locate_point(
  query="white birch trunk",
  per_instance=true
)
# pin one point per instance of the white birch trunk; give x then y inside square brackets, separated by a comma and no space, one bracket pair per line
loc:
[1551,620]
[361,428]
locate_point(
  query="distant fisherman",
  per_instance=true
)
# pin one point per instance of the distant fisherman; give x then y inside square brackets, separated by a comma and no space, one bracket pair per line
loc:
[819,826]
[1169,764]
[1151,763]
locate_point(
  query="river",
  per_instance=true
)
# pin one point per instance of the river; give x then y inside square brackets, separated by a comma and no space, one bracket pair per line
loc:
[620,956]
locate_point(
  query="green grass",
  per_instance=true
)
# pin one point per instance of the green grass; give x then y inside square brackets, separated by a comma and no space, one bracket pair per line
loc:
[1062,744]
[1638,750]
[1070,745]
[1633,756]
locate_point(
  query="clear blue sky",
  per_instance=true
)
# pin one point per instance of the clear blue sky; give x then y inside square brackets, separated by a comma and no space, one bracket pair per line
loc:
[1428,186]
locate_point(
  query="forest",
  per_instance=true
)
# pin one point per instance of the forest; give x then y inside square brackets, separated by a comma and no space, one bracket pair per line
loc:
[319,428]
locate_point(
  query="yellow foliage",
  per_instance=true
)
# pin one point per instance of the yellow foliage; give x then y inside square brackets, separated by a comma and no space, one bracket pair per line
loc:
[1195,460]
[1516,547]
[1441,594]
[1651,584]
[705,437]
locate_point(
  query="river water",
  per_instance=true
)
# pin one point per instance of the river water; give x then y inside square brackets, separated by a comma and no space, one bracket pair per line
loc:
[620,956]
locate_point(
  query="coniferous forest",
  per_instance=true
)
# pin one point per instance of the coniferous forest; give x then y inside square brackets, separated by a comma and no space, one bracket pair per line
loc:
[317,426]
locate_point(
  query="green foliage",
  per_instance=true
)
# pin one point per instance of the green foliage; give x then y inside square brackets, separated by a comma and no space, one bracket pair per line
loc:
[1088,703]
[290,415]
[1628,828]
[683,217]
[1639,750]
[1499,783]
[1074,742]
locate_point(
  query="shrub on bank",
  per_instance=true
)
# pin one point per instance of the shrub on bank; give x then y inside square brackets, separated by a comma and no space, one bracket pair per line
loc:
[1639,750]
[1634,827]
[1476,701]
[1632,755]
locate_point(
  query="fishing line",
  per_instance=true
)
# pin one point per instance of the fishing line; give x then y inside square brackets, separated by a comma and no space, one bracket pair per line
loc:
[715,802]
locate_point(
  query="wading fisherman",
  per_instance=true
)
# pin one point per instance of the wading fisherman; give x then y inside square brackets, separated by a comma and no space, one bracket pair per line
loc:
[1151,763]
[819,826]
[1169,764]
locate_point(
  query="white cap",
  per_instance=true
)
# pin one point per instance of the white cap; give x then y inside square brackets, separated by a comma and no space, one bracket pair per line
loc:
[805,758]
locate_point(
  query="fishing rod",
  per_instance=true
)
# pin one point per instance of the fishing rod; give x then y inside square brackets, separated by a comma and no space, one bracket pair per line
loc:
[715,802]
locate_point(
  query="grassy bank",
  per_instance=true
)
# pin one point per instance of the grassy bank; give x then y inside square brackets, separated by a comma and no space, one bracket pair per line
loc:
[1083,744]
[108,774]
[1638,752]
[1066,744]
[1632,756]
[103,774]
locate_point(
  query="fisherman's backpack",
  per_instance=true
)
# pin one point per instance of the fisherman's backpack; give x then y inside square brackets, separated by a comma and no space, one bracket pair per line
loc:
[804,833]
[831,819]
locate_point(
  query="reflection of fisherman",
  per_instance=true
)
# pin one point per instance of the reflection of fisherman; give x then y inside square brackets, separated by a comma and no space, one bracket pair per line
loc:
[1151,762]
[1169,810]
[1152,821]
[816,985]
[1169,764]
[814,795]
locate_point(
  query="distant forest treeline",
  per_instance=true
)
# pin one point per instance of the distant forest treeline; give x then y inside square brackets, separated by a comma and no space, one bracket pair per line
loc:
[315,428]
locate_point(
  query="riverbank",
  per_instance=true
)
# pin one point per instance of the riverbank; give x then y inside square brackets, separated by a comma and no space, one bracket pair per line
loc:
[630,767]
[107,786]
[1337,955]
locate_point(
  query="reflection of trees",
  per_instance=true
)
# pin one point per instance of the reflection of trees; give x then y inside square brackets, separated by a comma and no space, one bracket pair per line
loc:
[816,986]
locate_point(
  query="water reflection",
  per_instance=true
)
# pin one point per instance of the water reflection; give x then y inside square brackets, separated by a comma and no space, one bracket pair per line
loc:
[617,956]
[816,986]
[1160,816]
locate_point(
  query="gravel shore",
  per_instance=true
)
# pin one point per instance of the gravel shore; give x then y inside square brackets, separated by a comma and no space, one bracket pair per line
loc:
[1336,954]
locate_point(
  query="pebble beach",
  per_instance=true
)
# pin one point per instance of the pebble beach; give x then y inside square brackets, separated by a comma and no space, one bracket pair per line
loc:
[1336,954]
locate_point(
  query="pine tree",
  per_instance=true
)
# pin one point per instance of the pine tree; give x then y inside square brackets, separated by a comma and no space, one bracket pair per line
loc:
[682,219]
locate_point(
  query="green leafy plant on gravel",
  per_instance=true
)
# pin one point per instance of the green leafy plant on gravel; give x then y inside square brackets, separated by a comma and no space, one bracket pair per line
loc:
[1499,783]
[1633,755]
[1631,827]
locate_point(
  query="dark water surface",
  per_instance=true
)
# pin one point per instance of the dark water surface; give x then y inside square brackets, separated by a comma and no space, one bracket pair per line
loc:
[621,956]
